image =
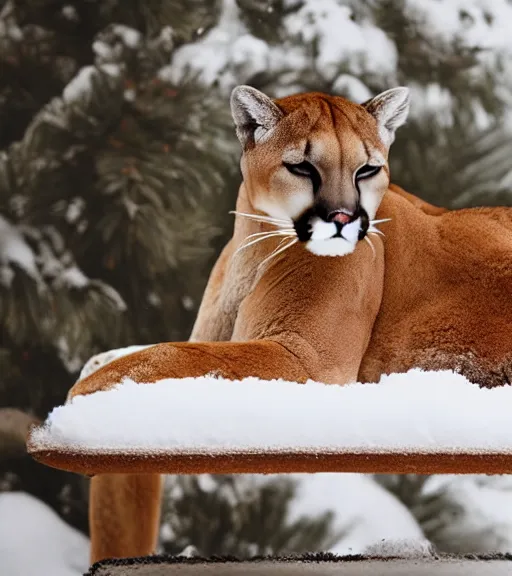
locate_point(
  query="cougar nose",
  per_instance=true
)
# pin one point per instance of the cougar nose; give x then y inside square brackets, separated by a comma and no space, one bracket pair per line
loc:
[340,217]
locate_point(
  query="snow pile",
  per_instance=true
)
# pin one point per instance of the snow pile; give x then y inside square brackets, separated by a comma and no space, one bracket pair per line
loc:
[467,514]
[368,515]
[34,541]
[428,412]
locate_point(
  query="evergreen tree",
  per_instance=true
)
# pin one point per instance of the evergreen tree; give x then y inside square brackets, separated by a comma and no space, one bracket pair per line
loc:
[239,516]
[459,515]
[115,186]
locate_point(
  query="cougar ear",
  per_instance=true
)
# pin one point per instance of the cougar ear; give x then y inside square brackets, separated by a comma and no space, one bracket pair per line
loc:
[390,109]
[254,113]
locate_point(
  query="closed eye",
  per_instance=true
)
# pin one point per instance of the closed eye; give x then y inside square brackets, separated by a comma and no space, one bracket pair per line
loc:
[367,171]
[305,170]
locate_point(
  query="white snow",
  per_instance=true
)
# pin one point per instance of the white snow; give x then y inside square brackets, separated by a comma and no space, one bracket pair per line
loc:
[34,541]
[154,299]
[468,514]
[71,361]
[113,70]
[130,94]
[102,49]
[472,23]
[339,40]
[367,513]
[69,12]
[229,54]
[130,36]
[210,56]
[403,548]
[14,250]
[75,209]
[72,277]
[427,412]
[166,36]
[364,515]
[79,85]
[352,88]
[432,101]
[342,42]
[187,302]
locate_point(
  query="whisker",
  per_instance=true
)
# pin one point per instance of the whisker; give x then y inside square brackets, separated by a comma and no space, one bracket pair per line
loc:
[256,240]
[278,251]
[277,247]
[282,231]
[260,218]
[371,246]
[380,221]
[373,230]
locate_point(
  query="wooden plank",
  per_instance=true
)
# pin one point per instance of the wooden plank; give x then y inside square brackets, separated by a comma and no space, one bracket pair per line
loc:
[314,565]
[91,463]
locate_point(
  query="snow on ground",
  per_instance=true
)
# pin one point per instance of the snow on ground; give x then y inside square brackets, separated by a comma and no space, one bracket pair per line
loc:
[416,411]
[468,514]
[34,541]
[367,513]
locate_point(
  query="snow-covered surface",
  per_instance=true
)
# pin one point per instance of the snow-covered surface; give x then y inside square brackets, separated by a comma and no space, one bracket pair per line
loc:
[34,541]
[418,411]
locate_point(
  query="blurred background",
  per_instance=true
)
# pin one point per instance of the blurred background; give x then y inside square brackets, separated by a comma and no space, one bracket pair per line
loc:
[118,166]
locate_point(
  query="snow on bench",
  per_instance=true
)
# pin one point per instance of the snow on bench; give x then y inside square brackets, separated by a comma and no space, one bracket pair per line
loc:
[418,422]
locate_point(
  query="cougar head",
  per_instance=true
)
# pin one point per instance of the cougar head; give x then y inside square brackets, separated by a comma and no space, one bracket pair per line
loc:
[318,162]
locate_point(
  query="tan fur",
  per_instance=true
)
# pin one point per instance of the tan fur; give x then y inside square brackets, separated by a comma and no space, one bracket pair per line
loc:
[447,301]
[435,294]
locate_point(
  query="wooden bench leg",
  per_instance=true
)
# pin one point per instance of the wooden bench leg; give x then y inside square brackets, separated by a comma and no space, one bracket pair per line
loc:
[124,515]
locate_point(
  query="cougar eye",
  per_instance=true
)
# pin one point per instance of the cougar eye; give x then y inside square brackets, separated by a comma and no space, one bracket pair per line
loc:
[303,169]
[367,171]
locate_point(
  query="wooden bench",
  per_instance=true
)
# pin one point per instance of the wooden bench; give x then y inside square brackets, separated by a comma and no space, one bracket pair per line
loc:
[423,423]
